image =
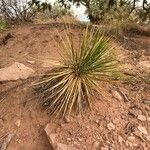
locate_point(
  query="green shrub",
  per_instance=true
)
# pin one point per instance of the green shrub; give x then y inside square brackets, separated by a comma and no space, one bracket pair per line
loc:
[21,11]
[58,12]
[71,85]
[2,24]
[147,78]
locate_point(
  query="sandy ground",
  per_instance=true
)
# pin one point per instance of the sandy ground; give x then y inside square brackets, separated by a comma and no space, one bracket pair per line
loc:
[35,47]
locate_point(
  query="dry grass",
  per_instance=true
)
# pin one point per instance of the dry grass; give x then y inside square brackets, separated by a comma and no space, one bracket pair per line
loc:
[120,29]
[43,18]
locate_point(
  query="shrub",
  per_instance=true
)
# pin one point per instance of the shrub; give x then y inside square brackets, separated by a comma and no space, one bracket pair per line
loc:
[58,11]
[18,11]
[147,78]
[71,85]
[57,14]
[2,24]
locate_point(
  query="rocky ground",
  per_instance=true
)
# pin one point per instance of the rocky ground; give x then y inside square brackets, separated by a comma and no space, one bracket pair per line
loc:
[118,121]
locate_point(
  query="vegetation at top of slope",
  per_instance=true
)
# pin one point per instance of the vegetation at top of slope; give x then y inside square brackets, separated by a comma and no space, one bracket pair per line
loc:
[98,9]
[18,11]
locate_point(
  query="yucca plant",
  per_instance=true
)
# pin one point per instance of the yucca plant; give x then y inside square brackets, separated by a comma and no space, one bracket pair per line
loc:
[71,85]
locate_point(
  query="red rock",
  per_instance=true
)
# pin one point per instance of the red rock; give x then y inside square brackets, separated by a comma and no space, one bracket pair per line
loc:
[15,72]
[141,117]
[117,95]
[96,145]
[135,112]
[142,129]
[111,126]
[145,65]
[51,136]
[17,123]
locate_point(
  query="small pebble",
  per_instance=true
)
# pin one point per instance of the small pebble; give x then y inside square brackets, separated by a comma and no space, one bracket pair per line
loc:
[135,112]
[96,145]
[131,139]
[117,95]
[141,117]
[97,121]
[120,139]
[69,139]
[80,139]
[30,61]
[142,130]
[17,123]
[111,126]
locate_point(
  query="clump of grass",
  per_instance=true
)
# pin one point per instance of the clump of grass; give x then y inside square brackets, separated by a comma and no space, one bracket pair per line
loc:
[119,76]
[130,81]
[2,24]
[147,78]
[71,85]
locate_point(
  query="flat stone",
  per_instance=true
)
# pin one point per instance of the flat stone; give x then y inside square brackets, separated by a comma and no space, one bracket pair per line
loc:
[141,117]
[142,129]
[144,65]
[130,144]
[52,140]
[15,71]
[51,136]
[135,112]
[139,135]
[117,95]
[97,121]
[111,126]
[31,61]
[96,145]
[120,139]
[61,146]
[80,139]
[68,139]
[147,102]
[17,123]
[131,139]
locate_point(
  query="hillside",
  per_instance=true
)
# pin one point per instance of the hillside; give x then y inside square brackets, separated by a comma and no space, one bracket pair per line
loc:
[119,121]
